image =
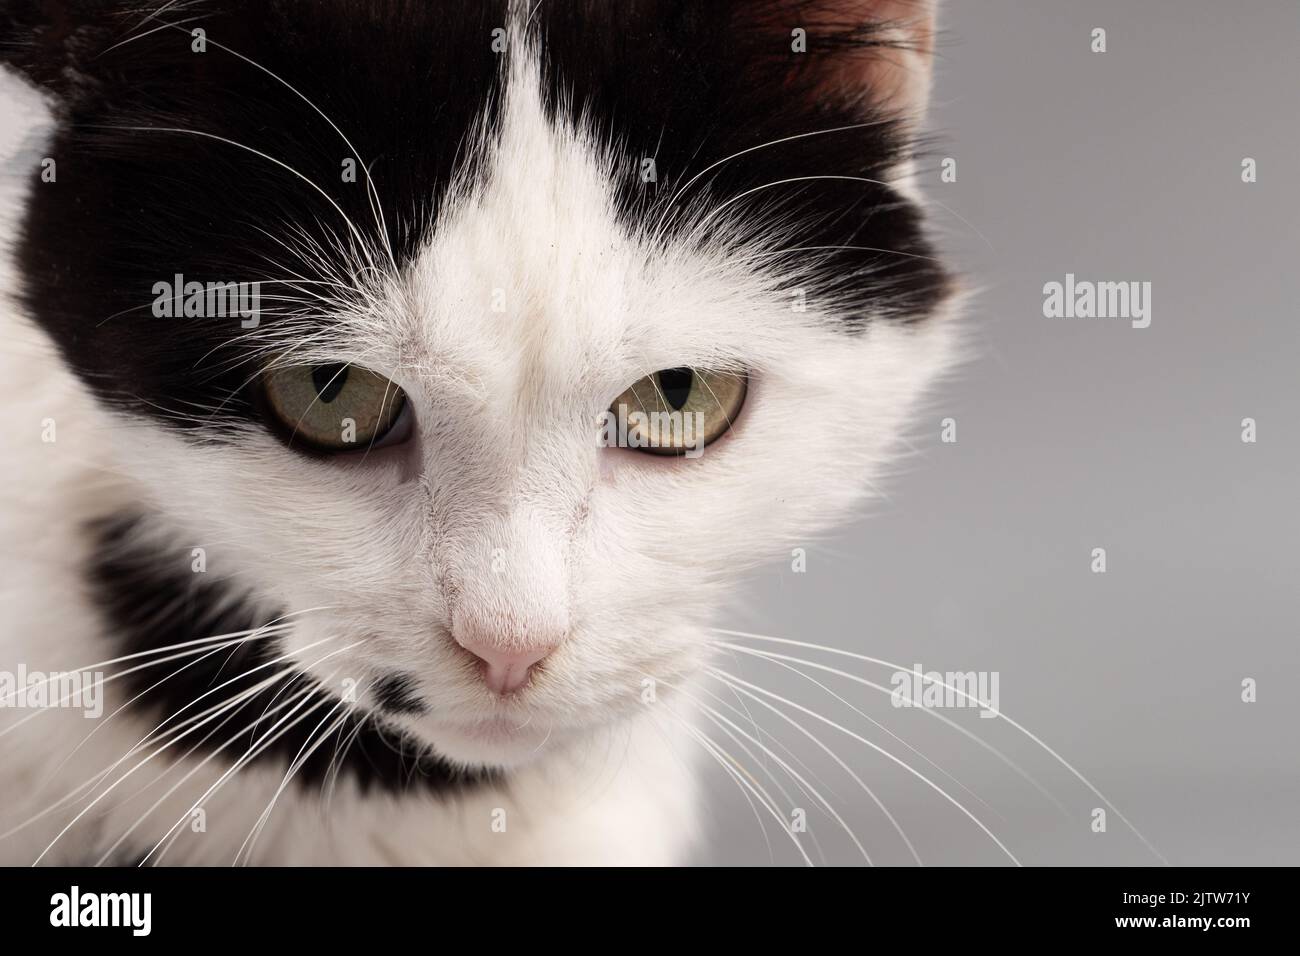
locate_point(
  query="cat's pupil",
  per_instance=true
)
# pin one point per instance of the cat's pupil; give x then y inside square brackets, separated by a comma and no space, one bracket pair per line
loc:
[329,380]
[676,386]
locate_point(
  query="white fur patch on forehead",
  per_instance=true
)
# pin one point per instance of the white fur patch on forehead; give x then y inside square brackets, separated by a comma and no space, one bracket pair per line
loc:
[529,276]
[528,259]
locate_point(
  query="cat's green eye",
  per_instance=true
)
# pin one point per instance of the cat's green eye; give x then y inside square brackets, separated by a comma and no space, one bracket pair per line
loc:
[333,407]
[677,411]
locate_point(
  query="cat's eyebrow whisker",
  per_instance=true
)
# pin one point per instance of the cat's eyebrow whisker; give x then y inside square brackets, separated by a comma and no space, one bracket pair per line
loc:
[747,688]
[699,227]
[888,252]
[153,15]
[302,245]
[731,729]
[141,36]
[362,245]
[780,659]
[376,206]
[998,713]
[681,190]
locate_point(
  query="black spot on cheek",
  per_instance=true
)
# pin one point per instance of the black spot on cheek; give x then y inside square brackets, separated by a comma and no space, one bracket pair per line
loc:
[396,693]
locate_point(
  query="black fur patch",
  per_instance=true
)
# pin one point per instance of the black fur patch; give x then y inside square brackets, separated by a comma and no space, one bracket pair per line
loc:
[396,693]
[149,604]
[690,84]
[151,184]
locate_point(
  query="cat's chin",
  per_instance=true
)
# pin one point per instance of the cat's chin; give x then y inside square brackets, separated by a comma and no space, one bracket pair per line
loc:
[495,742]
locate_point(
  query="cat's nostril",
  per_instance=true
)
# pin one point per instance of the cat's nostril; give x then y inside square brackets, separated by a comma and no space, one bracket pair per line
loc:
[506,669]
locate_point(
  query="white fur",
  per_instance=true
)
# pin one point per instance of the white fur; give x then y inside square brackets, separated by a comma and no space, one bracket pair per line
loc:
[511,517]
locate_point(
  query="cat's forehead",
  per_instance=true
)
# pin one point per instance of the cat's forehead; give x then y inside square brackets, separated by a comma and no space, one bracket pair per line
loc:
[530,264]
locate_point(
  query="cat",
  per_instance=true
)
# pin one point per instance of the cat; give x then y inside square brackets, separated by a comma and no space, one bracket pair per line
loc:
[352,570]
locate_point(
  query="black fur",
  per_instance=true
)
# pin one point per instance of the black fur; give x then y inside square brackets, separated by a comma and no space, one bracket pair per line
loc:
[689,84]
[403,81]
[396,693]
[150,603]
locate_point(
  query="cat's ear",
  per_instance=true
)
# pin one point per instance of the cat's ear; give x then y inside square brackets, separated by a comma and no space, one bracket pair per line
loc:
[875,55]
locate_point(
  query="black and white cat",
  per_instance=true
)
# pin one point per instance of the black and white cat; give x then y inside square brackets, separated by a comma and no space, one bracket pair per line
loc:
[364,580]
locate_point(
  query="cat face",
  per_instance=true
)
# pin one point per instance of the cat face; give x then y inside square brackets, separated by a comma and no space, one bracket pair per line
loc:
[467,244]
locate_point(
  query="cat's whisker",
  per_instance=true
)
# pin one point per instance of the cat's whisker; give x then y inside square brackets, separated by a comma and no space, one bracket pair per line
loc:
[725,679]
[1001,716]
[741,709]
[747,688]
[100,776]
[747,783]
[681,190]
[731,730]
[776,658]
[165,746]
[373,193]
[330,781]
[230,708]
[110,678]
[152,15]
[256,748]
[888,252]
[722,206]
[361,246]
[97,778]
[294,703]
[865,716]
[232,645]
[304,752]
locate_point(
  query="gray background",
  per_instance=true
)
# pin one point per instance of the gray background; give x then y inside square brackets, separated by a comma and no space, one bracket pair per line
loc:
[1075,434]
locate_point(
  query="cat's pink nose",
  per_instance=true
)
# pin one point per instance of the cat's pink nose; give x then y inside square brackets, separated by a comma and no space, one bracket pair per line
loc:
[506,669]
